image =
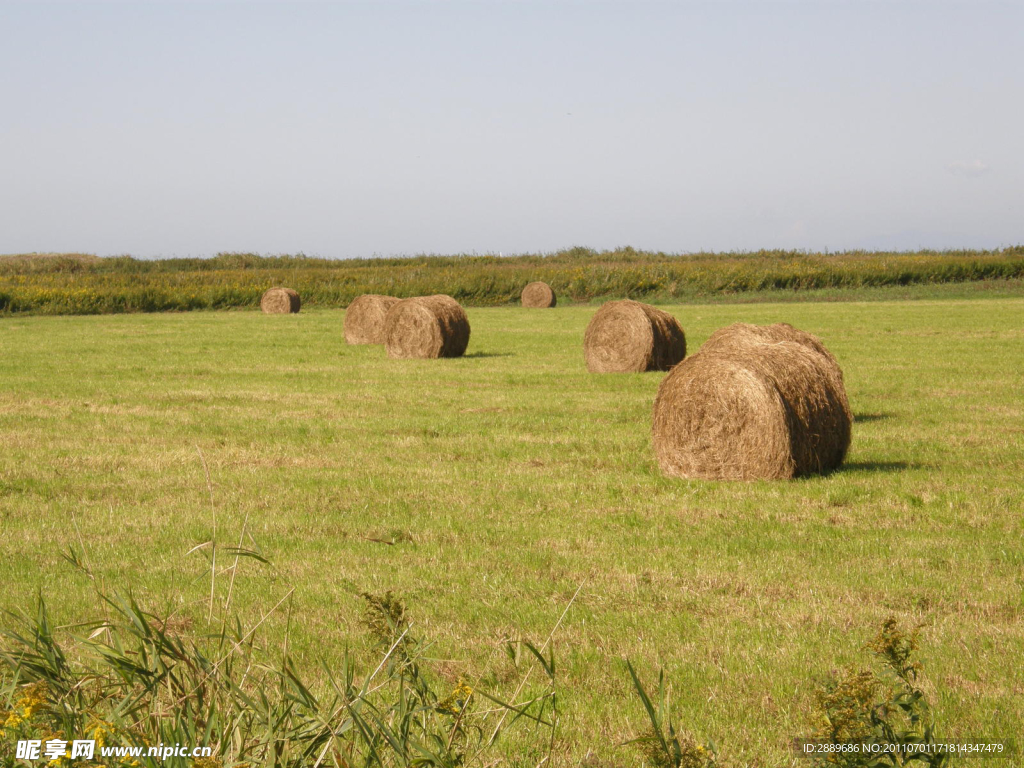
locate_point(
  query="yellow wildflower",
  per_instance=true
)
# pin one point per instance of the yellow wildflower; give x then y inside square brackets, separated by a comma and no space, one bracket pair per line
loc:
[457,701]
[10,719]
[33,699]
[98,731]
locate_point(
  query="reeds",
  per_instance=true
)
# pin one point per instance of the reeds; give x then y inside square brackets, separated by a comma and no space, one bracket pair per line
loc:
[86,285]
[133,679]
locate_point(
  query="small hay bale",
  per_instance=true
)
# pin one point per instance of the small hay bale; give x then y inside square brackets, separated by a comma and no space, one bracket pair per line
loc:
[538,295]
[280,301]
[426,327]
[630,337]
[750,409]
[364,318]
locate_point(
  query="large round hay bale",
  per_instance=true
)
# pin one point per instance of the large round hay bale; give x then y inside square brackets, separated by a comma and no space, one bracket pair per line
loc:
[364,318]
[426,327]
[538,295]
[752,410]
[769,333]
[732,336]
[627,336]
[280,301]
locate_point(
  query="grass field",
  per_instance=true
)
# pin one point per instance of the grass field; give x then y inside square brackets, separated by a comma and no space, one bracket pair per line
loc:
[487,490]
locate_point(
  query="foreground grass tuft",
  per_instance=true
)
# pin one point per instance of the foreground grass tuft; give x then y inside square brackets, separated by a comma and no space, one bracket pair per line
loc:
[135,683]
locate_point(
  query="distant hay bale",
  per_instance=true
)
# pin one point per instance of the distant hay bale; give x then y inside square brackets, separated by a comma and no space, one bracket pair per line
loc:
[364,318]
[538,295]
[747,408]
[280,301]
[627,336]
[426,327]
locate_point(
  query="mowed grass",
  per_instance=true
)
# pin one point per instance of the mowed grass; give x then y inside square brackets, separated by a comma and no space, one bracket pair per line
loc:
[507,480]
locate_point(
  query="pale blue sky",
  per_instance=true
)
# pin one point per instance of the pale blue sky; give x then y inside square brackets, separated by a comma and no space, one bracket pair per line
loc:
[353,129]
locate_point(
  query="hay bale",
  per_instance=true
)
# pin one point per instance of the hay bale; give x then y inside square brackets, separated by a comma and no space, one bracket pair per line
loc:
[280,301]
[426,327]
[538,295]
[740,333]
[627,336]
[750,409]
[769,333]
[364,318]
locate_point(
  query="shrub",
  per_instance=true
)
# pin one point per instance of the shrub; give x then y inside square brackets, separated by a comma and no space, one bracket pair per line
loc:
[79,284]
[864,707]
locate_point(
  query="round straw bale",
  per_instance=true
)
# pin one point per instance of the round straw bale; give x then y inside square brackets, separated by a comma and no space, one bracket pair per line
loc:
[426,327]
[538,295]
[733,336]
[770,333]
[751,411]
[364,318]
[280,301]
[627,336]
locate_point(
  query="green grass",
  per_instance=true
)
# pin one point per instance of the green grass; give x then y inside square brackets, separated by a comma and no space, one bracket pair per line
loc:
[508,478]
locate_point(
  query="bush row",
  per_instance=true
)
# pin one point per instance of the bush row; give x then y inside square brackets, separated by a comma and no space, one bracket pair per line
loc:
[77,284]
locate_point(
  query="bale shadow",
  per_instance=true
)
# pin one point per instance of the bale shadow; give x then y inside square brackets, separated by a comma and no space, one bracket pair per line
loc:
[862,418]
[877,466]
[491,354]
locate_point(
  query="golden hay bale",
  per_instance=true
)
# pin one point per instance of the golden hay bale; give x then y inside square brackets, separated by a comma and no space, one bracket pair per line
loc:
[739,333]
[751,410]
[364,318]
[538,295]
[627,336]
[769,333]
[426,327]
[280,301]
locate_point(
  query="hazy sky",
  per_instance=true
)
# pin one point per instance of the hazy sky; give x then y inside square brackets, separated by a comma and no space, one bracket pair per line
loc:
[359,128]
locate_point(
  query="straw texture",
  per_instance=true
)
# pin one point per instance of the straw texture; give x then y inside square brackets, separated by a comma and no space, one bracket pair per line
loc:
[538,295]
[280,301]
[630,337]
[364,318]
[426,327]
[746,408]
